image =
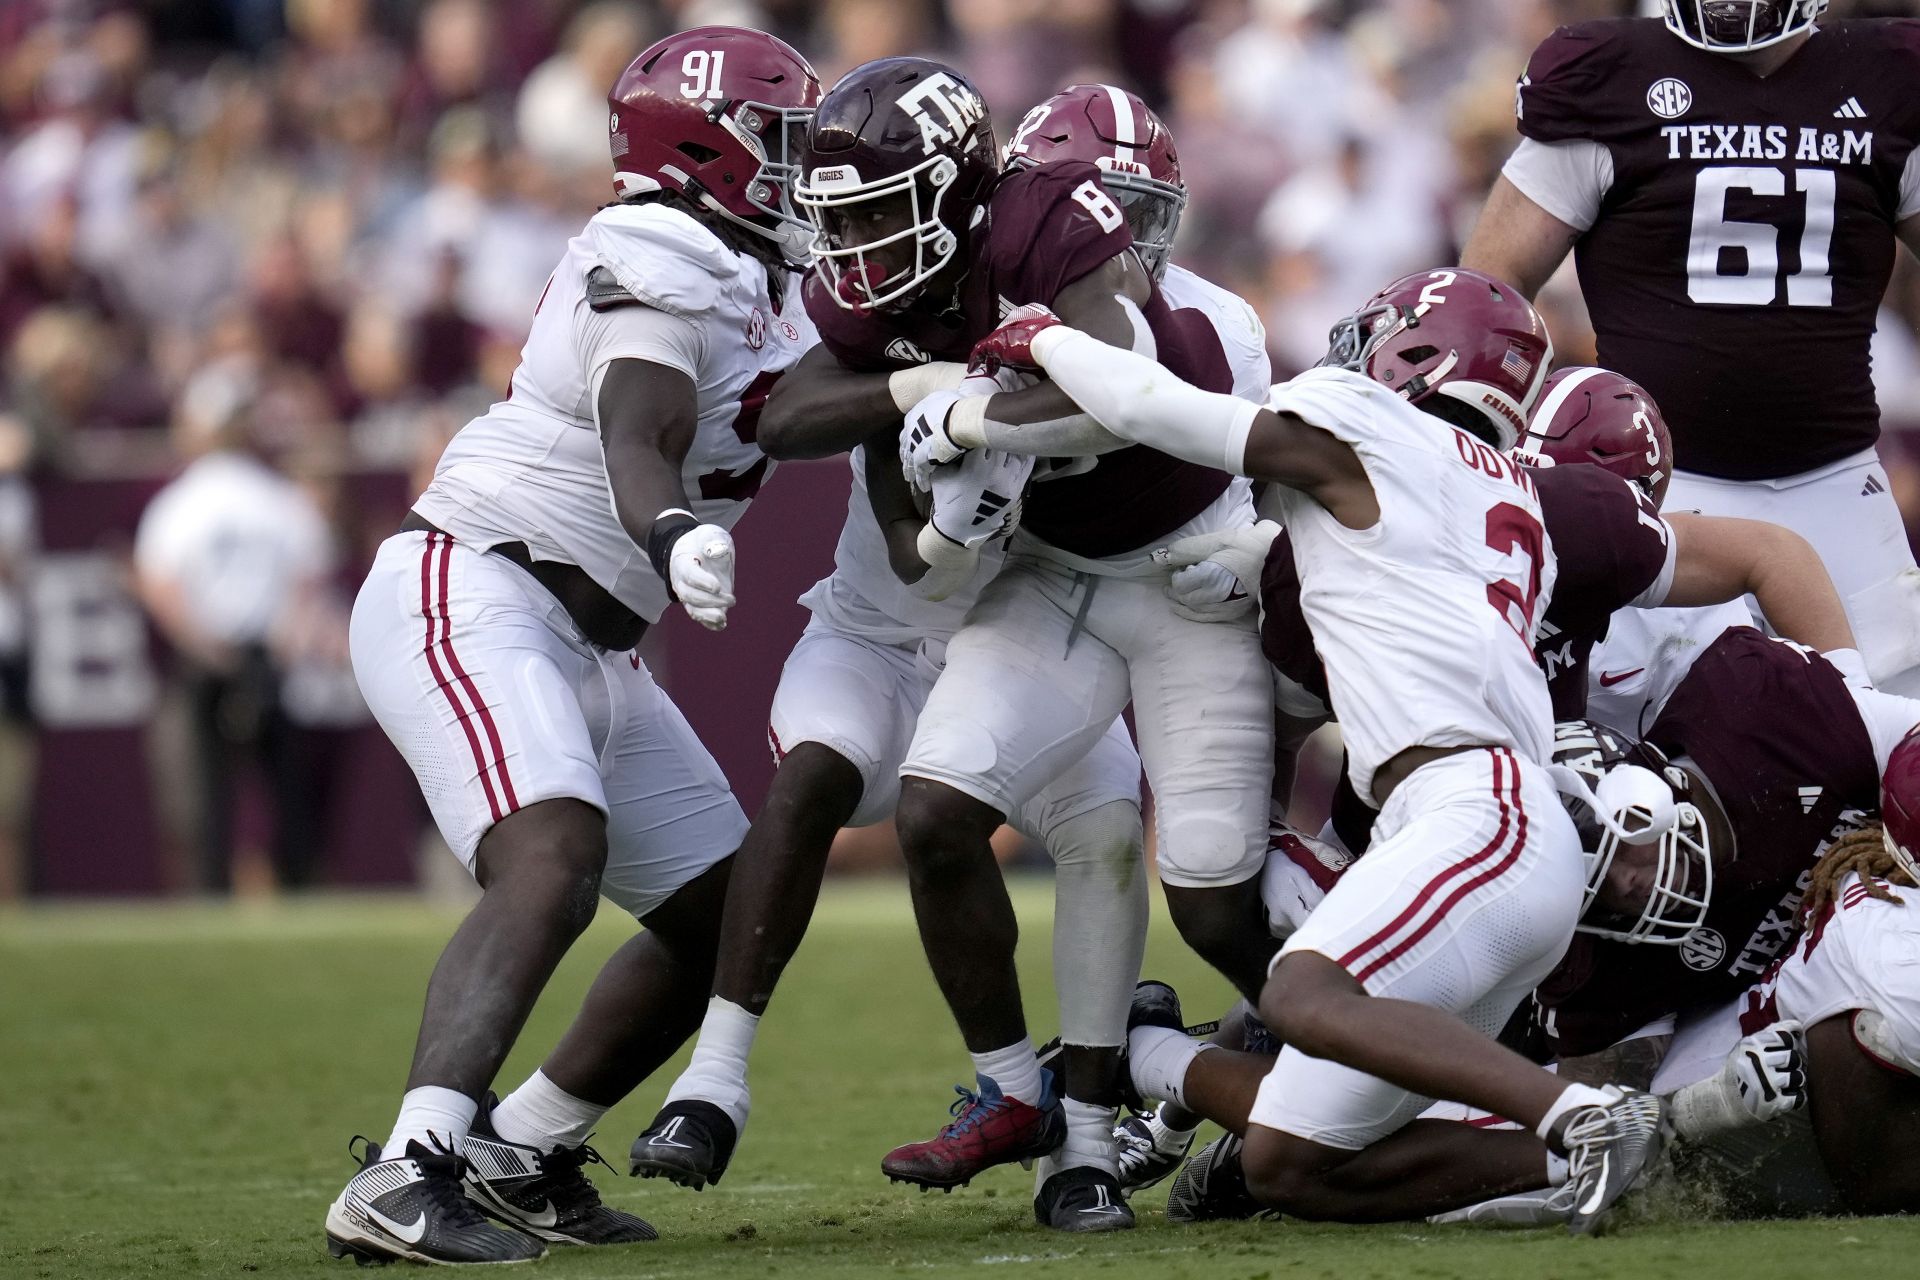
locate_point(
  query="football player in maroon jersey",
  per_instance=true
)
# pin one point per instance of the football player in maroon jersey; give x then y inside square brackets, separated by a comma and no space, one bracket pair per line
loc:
[1732,184]
[923,243]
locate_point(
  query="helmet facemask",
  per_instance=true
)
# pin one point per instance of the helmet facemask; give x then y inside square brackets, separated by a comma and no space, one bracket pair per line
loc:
[852,280]
[1740,26]
[778,136]
[1152,209]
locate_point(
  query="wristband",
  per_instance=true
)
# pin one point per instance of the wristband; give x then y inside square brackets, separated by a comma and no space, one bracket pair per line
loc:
[665,531]
[967,422]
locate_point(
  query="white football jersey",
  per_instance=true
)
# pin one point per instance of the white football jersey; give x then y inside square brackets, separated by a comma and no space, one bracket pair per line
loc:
[864,597]
[531,468]
[1646,654]
[1426,622]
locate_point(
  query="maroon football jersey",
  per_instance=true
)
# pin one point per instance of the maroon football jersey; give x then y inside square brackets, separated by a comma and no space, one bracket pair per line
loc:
[1039,237]
[1774,731]
[1611,546]
[1744,246]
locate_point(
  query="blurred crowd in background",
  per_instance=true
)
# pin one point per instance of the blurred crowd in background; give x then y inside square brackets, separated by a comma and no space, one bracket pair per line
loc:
[282,246]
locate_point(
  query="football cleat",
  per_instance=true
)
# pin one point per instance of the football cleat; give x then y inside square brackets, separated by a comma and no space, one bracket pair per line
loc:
[1610,1148]
[412,1207]
[1212,1187]
[1143,1164]
[1082,1199]
[543,1194]
[988,1129]
[689,1143]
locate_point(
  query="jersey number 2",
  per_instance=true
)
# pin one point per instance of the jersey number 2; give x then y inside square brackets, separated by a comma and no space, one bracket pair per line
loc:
[1757,283]
[1513,530]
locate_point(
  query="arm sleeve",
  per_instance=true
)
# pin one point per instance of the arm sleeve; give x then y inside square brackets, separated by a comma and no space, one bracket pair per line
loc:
[1567,179]
[638,332]
[1139,400]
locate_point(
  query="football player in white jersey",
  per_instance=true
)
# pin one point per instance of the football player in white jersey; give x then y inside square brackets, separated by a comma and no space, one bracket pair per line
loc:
[494,641]
[844,716]
[1424,571]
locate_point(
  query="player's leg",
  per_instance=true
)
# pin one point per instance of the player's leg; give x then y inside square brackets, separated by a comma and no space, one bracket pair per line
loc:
[459,661]
[1866,1120]
[1024,695]
[1401,978]
[1203,705]
[1848,513]
[1089,819]
[672,824]
[840,722]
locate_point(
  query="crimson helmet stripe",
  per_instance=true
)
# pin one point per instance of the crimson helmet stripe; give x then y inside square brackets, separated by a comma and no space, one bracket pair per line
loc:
[1125,132]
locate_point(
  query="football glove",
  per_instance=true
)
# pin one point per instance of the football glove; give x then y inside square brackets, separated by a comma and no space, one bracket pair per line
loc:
[700,568]
[1210,568]
[925,444]
[1011,345]
[1770,1067]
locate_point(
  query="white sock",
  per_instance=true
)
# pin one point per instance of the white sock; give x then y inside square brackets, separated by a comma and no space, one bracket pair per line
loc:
[1013,1069]
[1571,1098]
[1167,1140]
[1090,1142]
[436,1118]
[1158,1058]
[543,1115]
[718,1071]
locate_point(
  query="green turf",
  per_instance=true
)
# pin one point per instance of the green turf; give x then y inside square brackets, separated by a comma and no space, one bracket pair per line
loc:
[177,1086]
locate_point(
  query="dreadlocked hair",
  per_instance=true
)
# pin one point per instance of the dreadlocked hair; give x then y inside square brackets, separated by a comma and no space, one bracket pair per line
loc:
[1863,853]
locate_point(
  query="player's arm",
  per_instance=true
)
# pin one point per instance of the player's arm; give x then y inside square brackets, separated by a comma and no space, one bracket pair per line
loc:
[1516,240]
[894,511]
[1909,233]
[1137,399]
[647,415]
[1717,559]
[821,407]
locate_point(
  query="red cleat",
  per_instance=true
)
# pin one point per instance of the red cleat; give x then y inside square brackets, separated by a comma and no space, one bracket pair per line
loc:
[988,1129]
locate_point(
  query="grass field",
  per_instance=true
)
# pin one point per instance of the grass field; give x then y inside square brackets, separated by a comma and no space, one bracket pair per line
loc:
[178,1084]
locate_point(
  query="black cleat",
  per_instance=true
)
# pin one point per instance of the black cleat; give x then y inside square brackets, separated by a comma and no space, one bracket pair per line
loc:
[412,1207]
[1082,1199]
[1212,1187]
[1142,1164]
[544,1194]
[689,1143]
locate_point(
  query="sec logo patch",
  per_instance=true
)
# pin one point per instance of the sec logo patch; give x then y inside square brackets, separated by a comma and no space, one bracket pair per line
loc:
[1668,98]
[1704,949]
[756,330]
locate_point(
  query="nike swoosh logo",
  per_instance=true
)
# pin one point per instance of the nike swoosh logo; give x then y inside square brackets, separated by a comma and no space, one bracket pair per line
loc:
[547,1216]
[1599,1195]
[1608,679]
[669,1142]
[1110,1210]
[408,1234]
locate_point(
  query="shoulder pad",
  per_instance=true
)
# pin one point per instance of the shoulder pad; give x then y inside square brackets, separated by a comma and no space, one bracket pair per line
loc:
[661,257]
[604,292]
[1570,81]
[1042,237]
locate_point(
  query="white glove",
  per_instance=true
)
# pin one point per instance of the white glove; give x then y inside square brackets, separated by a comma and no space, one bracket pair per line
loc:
[1208,592]
[700,568]
[1763,1078]
[1238,553]
[925,444]
[1771,1068]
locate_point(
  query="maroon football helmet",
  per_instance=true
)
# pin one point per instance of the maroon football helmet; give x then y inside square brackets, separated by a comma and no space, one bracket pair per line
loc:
[1113,129]
[719,115]
[1900,805]
[1739,26]
[901,158]
[1597,416]
[1456,334]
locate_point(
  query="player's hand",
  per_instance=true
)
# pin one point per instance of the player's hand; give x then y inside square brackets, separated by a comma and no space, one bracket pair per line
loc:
[1239,553]
[1771,1068]
[1208,592]
[1011,345]
[925,444]
[700,568]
